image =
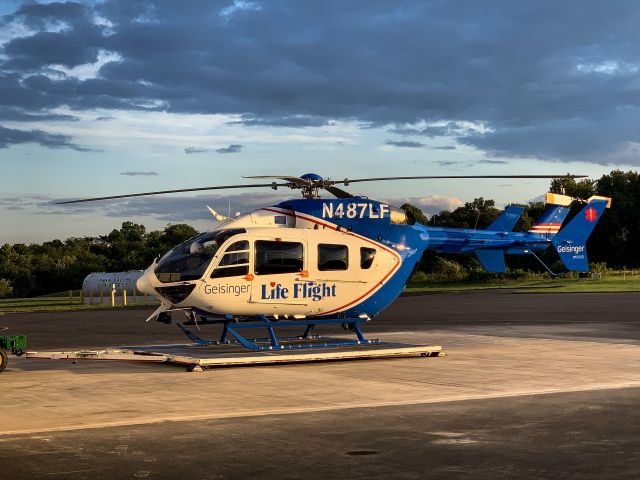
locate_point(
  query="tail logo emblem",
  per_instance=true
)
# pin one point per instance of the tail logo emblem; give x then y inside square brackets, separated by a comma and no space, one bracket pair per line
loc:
[591,214]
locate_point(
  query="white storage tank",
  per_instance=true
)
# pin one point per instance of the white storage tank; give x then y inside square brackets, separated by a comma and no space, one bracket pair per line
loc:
[100,283]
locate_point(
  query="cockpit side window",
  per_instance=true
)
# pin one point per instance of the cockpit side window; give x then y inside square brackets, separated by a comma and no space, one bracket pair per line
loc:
[235,261]
[189,260]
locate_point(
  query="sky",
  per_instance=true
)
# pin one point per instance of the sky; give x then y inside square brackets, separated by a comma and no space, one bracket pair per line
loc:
[123,96]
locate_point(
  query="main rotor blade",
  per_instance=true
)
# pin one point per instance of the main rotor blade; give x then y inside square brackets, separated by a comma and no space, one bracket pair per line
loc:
[159,192]
[347,181]
[288,178]
[338,192]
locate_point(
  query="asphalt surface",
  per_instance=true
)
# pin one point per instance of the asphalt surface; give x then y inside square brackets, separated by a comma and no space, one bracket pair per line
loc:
[593,435]
[579,316]
[568,349]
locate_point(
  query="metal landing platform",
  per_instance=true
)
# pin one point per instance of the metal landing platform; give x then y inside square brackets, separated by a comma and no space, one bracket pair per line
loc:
[197,357]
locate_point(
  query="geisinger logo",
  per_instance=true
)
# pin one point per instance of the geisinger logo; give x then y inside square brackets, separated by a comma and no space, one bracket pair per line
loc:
[571,249]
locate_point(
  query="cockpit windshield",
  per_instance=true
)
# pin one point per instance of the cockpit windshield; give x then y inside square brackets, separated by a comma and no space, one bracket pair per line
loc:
[190,259]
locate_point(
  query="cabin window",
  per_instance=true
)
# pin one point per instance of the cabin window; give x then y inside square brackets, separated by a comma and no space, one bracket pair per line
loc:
[332,257]
[235,261]
[274,258]
[366,257]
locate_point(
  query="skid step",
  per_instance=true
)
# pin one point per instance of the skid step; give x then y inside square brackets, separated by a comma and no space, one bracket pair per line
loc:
[213,356]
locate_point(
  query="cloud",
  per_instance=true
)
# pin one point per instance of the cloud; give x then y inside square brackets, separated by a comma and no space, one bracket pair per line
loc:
[446,147]
[404,144]
[190,150]
[169,208]
[616,141]
[432,204]
[432,131]
[138,174]
[299,64]
[489,161]
[9,136]
[234,148]
[23,200]
[238,6]
[448,163]
[294,121]
[14,114]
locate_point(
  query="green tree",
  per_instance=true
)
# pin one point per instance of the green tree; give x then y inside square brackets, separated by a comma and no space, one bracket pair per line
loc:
[616,237]
[127,247]
[417,213]
[582,189]
[477,214]
[176,234]
[6,290]
[57,265]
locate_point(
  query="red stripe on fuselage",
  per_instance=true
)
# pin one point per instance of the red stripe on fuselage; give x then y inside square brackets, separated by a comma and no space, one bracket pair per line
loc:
[339,229]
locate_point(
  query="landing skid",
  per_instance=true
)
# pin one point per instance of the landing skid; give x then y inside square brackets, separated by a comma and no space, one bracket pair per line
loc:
[273,342]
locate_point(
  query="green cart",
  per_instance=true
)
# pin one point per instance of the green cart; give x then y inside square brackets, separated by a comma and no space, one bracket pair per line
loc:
[15,344]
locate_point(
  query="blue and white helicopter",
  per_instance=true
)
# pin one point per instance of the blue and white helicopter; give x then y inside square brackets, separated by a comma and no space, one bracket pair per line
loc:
[312,261]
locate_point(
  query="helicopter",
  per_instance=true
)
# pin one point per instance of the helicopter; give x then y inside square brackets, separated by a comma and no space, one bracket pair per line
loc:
[312,261]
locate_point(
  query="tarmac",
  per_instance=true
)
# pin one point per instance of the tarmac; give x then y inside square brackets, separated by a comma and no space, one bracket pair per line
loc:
[534,386]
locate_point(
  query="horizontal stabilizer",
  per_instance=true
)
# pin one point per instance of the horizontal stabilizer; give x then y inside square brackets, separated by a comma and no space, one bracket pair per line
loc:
[598,197]
[570,242]
[557,199]
[492,260]
[507,219]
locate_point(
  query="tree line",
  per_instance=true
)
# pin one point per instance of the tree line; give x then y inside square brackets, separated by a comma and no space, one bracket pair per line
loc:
[614,242]
[37,269]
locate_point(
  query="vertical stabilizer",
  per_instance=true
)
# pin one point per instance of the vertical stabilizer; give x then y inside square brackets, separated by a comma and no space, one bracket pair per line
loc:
[507,219]
[570,242]
[551,221]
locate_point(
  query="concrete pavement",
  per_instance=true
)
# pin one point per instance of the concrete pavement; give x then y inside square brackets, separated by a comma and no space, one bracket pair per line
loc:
[563,361]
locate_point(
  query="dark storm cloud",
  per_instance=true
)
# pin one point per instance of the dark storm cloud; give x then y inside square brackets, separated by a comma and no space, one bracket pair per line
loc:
[233,148]
[39,16]
[404,144]
[10,136]
[19,115]
[48,48]
[139,174]
[76,41]
[545,79]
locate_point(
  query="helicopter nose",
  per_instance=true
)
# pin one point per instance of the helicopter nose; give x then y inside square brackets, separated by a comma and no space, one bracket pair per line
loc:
[143,284]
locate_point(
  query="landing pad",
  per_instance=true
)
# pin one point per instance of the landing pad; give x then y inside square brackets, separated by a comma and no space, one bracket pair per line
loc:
[214,356]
